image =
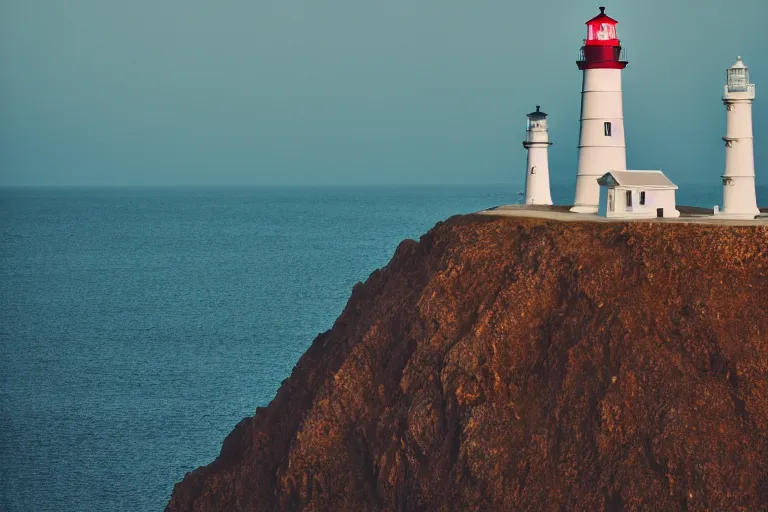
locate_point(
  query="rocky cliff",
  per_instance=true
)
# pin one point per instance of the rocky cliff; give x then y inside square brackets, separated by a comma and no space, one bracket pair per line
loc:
[522,364]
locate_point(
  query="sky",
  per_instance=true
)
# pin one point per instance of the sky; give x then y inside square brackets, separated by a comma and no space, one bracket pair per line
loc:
[307,92]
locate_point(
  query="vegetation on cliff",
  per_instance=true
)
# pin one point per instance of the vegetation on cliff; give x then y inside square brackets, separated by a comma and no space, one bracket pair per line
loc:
[522,364]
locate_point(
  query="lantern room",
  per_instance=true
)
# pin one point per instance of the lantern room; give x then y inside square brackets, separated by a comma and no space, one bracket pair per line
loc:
[602,48]
[738,77]
[601,30]
[537,135]
[537,120]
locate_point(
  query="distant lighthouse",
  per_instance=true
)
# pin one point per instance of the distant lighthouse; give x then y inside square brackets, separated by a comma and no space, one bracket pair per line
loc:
[739,200]
[537,170]
[601,138]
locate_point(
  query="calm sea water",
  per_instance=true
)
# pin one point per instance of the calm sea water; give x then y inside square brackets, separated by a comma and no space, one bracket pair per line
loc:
[138,326]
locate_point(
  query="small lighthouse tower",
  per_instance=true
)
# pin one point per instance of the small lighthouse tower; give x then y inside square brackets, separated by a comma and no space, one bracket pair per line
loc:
[601,138]
[739,200]
[537,171]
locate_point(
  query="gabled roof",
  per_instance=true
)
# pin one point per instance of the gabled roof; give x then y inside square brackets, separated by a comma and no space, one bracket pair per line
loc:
[649,179]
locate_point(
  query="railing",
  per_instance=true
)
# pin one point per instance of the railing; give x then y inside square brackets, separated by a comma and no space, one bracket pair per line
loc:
[599,54]
[741,88]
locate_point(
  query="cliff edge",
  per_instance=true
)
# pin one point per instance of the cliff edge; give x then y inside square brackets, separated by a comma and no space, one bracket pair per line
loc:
[524,364]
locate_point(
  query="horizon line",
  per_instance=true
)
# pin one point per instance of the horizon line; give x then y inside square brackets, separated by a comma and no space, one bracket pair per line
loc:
[297,185]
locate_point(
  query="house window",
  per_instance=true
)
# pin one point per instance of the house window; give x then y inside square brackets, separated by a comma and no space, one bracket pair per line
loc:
[607,128]
[629,199]
[642,197]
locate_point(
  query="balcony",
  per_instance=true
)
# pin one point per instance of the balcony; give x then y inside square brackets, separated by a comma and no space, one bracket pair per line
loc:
[740,87]
[596,54]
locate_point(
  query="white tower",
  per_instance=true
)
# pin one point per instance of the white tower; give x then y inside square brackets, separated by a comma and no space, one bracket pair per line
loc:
[601,138]
[739,200]
[537,171]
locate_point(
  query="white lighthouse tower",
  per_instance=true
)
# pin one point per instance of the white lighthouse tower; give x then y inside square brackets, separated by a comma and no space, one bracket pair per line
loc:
[601,139]
[537,171]
[739,200]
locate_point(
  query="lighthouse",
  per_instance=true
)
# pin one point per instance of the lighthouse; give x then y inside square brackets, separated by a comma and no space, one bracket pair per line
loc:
[739,200]
[537,169]
[601,138]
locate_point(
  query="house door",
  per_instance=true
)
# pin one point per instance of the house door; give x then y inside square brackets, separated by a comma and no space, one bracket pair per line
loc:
[659,212]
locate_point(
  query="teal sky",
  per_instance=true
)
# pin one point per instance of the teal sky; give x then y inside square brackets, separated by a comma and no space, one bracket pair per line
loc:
[166,92]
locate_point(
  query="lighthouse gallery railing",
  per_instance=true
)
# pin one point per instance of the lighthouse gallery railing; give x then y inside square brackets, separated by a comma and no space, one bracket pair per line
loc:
[741,87]
[620,56]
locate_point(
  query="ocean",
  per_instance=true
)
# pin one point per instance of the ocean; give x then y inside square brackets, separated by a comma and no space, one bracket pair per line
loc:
[139,325]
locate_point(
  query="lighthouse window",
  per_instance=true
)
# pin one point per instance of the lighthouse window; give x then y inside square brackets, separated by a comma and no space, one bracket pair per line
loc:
[607,128]
[533,170]
[642,197]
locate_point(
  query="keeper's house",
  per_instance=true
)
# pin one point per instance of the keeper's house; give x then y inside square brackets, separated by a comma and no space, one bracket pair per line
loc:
[636,195]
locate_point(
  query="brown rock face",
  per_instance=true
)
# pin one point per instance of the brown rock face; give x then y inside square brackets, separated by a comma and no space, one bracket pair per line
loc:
[522,364]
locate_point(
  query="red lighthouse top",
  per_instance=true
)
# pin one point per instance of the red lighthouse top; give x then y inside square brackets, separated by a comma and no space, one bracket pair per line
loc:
[601,30]
[602,48]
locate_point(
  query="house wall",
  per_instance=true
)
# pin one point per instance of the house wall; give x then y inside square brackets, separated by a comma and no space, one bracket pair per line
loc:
[654,198]
[666,199]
